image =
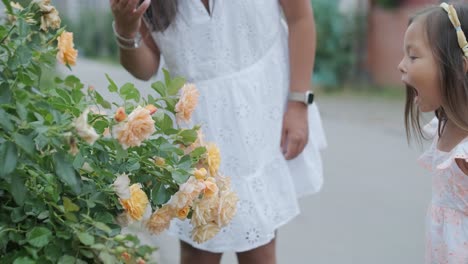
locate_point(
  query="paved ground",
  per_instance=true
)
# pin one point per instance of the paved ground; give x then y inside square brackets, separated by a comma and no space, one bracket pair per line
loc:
[372,207]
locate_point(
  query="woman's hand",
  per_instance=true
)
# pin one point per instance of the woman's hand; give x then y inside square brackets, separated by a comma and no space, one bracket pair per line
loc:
[295,132]
[127,15]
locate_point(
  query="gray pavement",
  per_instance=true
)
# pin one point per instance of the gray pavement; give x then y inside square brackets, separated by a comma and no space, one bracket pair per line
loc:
[371,209]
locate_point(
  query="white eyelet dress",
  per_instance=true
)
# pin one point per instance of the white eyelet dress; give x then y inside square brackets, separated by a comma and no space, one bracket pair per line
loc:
[237,57]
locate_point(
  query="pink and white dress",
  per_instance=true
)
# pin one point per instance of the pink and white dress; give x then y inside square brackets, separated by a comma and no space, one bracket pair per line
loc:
[447,218]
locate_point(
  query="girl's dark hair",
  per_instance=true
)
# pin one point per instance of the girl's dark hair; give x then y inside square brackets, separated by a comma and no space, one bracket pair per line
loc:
[161,14]
[452,67]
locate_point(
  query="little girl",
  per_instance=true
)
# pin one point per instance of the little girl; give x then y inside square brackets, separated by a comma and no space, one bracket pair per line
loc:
[434,70]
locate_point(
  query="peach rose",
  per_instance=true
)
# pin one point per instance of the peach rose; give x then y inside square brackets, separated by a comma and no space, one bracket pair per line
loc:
[186,194]
[204,233]
[151,108]
[120,114]
[227,208]
[50,16]
[182,213]
[160,220]
[204,211]
[66,53]
[139,127]
[187,102]
[211,189]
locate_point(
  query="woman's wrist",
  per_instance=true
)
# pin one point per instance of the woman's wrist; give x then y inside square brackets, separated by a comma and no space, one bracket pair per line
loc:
[129,41]
[123,34]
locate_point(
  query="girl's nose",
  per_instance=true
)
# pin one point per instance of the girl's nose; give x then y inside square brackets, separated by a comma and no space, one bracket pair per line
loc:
[401,67]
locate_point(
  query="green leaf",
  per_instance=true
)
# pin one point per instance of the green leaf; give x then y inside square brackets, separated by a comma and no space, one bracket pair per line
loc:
[167,77]
[5,121]
[112,86]
[107,258]
[166,123]
[23,54]
[18,189]
[86,238]
[188,136]
[6,3]
[26,143]
[8,158]
[128,92]
[65,171]
[160,194]
[17,215]
[179,177]
[159,88]
[103,227]
[39,236]
[69,205]
[101,101]
[5,93]
[175,85]
[196,153]
[24,260]
[67,260]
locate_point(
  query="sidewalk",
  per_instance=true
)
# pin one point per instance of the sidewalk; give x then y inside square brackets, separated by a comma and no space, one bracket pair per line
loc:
[372,207]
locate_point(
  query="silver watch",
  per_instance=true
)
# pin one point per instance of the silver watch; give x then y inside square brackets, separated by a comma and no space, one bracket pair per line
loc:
[305,97]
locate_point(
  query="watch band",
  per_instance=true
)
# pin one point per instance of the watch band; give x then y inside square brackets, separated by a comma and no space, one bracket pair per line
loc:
[303,97]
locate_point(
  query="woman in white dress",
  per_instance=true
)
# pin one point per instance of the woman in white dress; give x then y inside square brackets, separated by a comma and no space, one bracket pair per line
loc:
[246,65]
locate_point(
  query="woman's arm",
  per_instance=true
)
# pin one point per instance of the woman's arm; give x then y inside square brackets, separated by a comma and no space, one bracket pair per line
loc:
[302,41]
[141,62]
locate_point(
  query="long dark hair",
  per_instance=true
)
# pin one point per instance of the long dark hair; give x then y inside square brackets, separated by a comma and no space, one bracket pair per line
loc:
[453,79]
[161,14]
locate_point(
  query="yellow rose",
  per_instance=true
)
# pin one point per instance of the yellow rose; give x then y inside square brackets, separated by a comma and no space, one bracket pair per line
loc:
[187,102]
[136,205]
[120,114]
[160,220]
[213,158]
[227,208]
[200,174]
[204,233]
[211,189]
[182,213]
[66,53]
[139,127]
[158,161]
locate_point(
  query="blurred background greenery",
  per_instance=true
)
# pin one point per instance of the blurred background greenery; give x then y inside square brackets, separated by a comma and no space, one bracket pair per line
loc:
[341,39]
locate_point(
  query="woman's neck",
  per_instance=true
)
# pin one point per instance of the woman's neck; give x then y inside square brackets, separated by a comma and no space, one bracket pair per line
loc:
[451,136]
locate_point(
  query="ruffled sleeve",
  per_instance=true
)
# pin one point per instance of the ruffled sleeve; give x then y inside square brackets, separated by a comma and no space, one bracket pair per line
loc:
[458,152]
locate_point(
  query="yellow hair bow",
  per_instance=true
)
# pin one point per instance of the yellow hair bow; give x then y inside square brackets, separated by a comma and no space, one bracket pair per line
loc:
[452,13]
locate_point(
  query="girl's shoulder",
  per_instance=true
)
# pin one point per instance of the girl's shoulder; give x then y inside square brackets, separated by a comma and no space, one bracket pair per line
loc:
[435,159]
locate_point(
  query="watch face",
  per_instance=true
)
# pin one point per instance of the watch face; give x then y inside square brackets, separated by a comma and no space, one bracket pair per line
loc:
[310,98]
